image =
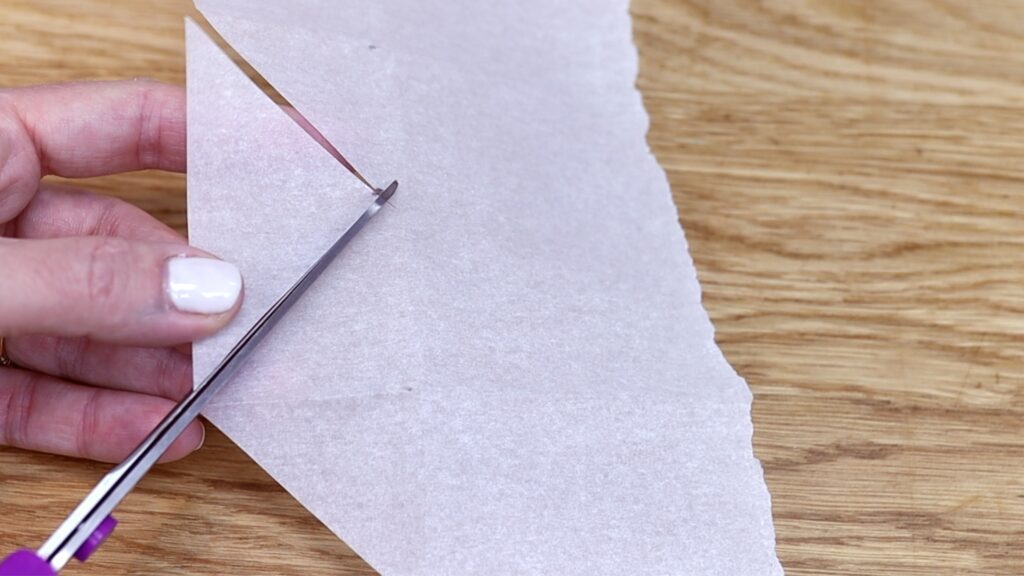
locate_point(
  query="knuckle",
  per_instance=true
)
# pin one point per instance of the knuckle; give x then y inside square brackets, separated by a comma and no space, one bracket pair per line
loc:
[16,404]
[88,425]
[70,355]
[148,141]
[173,377]
[19,160]
[108,217]
[106,266]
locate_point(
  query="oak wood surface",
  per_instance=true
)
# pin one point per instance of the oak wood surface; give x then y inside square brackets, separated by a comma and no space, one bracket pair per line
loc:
[848,174]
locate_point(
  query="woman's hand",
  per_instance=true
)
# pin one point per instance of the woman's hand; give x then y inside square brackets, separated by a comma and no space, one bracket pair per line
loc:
[96,296]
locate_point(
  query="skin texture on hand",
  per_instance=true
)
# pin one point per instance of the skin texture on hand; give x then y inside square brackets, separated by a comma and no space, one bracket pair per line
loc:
[96,328]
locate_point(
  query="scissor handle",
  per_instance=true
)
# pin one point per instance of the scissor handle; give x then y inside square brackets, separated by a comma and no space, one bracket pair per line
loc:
[24,562]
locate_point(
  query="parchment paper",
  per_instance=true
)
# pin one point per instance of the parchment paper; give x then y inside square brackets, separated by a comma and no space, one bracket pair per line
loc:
[510,371]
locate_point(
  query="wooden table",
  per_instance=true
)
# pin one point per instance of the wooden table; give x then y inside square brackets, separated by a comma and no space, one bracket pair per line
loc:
[849,174]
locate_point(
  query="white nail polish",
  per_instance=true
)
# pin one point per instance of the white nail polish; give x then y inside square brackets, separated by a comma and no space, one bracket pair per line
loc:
[202,439]
[203,285]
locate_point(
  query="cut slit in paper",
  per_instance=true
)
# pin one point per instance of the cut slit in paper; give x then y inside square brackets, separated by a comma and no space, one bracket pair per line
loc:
[292,112]
[511,374]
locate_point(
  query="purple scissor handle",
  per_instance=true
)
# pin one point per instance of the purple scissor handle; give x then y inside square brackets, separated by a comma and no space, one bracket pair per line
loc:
[27,563]
[24,562]
[90,523]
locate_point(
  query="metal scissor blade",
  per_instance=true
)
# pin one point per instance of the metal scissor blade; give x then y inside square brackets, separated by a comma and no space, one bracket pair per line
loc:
[108,493]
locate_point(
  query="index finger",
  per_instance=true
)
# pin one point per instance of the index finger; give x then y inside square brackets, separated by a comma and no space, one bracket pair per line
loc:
[86,129]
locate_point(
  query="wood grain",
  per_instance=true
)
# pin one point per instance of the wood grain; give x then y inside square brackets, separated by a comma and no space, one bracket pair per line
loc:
[848,173]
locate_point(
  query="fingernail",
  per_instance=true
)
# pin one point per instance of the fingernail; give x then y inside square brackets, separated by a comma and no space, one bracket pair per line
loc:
[202,439]
[203,285]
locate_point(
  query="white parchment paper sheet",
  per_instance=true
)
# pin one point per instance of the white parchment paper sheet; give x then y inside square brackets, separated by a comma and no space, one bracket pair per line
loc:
[510,371]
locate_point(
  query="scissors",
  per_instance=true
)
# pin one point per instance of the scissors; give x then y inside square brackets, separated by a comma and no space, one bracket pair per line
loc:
[86,528]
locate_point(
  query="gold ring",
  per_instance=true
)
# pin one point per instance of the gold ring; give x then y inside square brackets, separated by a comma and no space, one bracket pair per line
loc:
[5,360]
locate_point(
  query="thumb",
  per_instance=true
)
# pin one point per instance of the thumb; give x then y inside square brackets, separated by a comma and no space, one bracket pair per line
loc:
[114,290]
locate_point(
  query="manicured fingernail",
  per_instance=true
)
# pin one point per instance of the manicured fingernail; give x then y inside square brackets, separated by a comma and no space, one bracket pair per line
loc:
[202,439]
[203,285]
